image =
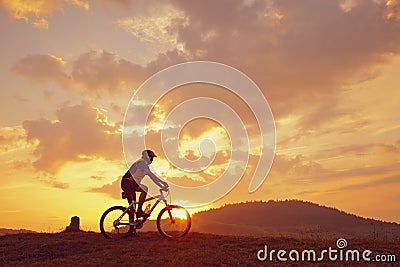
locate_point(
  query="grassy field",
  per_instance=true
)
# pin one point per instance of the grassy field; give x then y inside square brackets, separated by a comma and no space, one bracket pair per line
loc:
[150,249]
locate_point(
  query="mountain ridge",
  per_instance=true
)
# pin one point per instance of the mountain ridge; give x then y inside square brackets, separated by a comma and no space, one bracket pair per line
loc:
[293,218]
[290,217]
[7,231]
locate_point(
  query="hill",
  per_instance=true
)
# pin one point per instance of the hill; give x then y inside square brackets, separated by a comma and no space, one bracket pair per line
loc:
[290,218]
[150,249]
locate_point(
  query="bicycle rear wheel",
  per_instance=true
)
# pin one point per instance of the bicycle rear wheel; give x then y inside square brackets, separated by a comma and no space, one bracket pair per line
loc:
[112,225]
[173,221]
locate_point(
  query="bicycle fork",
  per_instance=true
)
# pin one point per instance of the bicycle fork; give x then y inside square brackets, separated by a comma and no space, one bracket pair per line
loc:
[170,216]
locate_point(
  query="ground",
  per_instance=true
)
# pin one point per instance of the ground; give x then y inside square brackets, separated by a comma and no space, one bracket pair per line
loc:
[150,249]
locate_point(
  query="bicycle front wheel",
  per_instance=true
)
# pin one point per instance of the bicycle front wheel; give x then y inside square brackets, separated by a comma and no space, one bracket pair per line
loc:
[114,223]
[173,221]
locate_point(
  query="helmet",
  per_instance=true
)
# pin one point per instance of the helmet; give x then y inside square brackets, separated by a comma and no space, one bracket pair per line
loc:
[148,155]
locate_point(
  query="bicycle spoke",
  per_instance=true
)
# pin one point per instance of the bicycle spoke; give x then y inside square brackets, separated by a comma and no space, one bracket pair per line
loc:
[173,222]
[112,225]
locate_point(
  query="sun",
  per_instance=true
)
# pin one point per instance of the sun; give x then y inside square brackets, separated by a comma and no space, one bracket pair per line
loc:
[179,213]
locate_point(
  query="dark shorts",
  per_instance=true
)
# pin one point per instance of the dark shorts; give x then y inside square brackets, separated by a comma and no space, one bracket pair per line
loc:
[130,188]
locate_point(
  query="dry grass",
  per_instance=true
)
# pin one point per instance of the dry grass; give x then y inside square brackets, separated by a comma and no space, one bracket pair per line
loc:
[150,249]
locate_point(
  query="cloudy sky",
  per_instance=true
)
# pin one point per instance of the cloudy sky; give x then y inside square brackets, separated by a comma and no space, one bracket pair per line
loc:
[69,68]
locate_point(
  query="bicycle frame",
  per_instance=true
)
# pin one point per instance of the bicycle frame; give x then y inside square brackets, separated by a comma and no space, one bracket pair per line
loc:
[114,220]
[132,206]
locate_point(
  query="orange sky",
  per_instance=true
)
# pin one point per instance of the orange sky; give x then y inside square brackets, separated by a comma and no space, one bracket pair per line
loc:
[329,70]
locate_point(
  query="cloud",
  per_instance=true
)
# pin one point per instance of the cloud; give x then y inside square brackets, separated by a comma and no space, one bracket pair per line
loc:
[393,9]
[197,127]
[298,54]
[327,121]
[186,181]
[113,189]
[38,11]
[365,171]
[305,55]
[299,166]
[42,68]
[301,55]
[41,23]
[393,179]
[50,181]
[361,149]
[80,3]
[96,177]
[157,28]
[104,72]
[136,113]
[304,170]
[20,99]
[20,164]
[124,5]
[11,138]
[80,133]
[96,72]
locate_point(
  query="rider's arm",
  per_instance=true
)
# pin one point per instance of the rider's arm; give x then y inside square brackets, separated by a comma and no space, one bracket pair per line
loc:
[155,179]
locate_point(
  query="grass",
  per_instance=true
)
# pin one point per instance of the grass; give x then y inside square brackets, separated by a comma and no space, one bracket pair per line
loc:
[150,249]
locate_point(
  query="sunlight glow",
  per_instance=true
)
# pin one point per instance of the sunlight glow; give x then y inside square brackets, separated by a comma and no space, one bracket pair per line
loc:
[179,213]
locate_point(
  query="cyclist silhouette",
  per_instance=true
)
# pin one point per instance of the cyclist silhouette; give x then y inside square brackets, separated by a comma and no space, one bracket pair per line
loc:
[173,221]
[131,181]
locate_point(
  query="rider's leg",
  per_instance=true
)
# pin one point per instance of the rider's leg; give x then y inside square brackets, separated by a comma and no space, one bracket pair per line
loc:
[129,187]
[143,192]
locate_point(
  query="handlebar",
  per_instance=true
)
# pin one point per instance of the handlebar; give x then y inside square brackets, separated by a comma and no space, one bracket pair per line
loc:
[164,188]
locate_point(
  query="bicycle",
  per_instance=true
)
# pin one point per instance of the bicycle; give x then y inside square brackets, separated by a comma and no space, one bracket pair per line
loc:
[173,221]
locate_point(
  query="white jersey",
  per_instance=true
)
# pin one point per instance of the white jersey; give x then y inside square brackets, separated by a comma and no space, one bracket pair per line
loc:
[137,171]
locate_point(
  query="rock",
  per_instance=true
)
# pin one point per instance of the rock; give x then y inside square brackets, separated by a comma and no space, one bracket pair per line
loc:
[74,225]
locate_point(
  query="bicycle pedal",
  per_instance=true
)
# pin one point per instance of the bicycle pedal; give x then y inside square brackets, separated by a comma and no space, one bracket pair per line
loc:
[138,224]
